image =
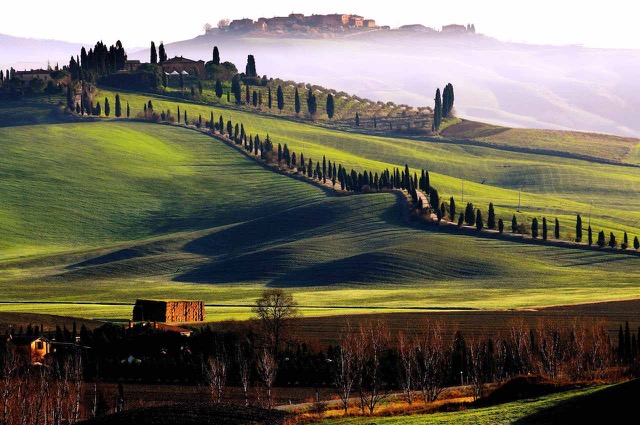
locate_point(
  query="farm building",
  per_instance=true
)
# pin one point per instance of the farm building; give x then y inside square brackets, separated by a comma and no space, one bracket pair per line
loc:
[42,74]
[32,348]
[168,311]
[184,65]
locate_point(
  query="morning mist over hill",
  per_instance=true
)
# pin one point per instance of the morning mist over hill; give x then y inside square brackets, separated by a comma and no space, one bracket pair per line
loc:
[518,85]
[509,84]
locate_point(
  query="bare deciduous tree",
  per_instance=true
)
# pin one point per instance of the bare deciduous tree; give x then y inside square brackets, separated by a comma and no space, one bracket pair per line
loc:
[344,368]
[217,375]
[406,369]
[431,368]
[275,308]
[267,368]
[244,370]
[377,338]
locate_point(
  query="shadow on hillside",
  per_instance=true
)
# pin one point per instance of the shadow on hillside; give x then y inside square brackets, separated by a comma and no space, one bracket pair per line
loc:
[610,405]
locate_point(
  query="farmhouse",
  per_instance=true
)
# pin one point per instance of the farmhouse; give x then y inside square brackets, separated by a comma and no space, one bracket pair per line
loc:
[356,21]
[183,65]
[241,25]
[369,23]
[33,349]
[27,76]
[172,311]
[454,29]
[131,65]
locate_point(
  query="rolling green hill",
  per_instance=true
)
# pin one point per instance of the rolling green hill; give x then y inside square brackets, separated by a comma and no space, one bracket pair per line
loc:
[552,185]
[101,213]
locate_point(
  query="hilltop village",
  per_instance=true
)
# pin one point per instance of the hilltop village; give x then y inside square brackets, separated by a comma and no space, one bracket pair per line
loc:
[337,23]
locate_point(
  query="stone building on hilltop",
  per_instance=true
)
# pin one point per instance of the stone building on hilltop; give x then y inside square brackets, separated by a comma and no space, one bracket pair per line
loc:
[168,311]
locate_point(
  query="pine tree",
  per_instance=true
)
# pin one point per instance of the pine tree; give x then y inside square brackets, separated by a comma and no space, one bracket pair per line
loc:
[491,217]
[280,98]
[330,106]
[154,53]
[534,228]
[297,102]
[118,107]
[556,230]
[216,56]
[578,228]
[544,228]
[357,119]
[514,224]
[589,236]
[500,226]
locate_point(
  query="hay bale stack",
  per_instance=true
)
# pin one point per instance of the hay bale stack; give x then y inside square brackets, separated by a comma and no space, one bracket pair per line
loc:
[168,311]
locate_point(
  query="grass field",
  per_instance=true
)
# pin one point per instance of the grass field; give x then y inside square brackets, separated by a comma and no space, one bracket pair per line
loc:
[107,212]
[554,186]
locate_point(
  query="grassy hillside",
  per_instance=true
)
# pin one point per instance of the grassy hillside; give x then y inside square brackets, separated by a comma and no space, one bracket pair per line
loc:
[604,404]
[554,186]
[103,213]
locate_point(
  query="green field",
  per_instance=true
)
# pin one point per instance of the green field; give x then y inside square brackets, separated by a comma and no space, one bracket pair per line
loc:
[107,212]
[509,413]
[554,186]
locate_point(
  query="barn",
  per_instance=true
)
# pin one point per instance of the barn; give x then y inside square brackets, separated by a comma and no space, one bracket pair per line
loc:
[168,311]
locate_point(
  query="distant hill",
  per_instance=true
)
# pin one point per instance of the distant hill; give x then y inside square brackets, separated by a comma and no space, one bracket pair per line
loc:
[516,85]
[29,53]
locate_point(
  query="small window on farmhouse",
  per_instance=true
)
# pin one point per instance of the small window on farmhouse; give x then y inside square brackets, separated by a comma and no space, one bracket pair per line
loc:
[39,345]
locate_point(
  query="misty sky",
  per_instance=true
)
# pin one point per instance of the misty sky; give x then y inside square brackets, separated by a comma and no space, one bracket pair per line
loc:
[608,24]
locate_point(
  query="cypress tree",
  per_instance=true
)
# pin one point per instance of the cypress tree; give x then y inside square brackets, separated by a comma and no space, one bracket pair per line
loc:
[310,168]
[216,55]
[589,236]
[255,99]
[128,110]
[601,239]
[97,110]
[279,153]
[162,53]
[452,208]
[556,230]
[636,245]
[324,169]
[118,107]
[578,228]
[186,121]
[107,107]
[514,224]
[228,97]
[330,106]
[280,98]
[221,125]
[179,115]
[434,199]
[297,102]
[199,86]
[625,241]
[200,121]
[612,240]
[211,122]
[154,53]
[312,102]
[479,223]
[251,67]
[443,211]
[437,112]
[269,100]
[469,214]
[247,95]
[491,217]
[500,226]
[236,90]
[544,228]
[461,220]
[230,129]
[218,89]
[534,228]
[357,119]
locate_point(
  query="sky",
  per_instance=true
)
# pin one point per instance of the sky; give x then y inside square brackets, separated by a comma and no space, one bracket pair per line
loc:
[610,24]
